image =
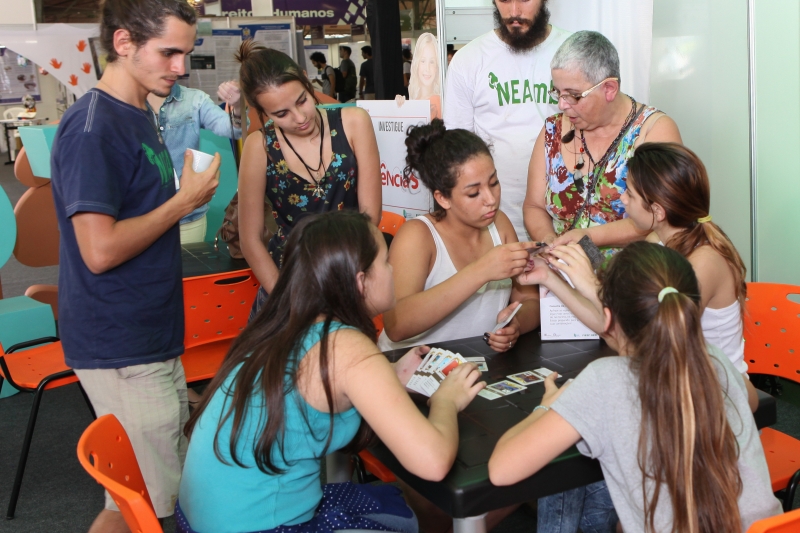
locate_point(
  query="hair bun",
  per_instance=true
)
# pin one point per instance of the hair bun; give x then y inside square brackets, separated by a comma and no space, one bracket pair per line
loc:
[420,138]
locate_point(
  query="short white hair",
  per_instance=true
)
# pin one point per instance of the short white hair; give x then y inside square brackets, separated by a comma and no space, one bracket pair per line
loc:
[591,53]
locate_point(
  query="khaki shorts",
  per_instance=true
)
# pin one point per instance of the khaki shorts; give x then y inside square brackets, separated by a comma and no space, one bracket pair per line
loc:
[151,404]
[194,231]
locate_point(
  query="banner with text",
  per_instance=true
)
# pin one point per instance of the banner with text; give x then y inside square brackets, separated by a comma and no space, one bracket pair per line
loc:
[408,197]
[305,12]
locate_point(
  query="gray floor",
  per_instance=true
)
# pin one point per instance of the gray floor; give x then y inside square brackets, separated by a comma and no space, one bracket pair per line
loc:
[57,495]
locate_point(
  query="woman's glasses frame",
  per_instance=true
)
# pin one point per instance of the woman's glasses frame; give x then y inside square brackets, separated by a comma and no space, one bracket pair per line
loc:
[573,99]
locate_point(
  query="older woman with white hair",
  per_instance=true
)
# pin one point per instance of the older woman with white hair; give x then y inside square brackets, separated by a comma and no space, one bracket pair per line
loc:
[578,168]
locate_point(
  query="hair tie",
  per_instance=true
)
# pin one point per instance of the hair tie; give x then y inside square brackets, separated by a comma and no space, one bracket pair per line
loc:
[703,220]
[665,291]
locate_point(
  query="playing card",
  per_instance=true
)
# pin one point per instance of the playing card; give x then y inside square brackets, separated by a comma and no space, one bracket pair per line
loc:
[504,323]
[489,395]
[480,361]
[543,372]
[526,378]
[505,387]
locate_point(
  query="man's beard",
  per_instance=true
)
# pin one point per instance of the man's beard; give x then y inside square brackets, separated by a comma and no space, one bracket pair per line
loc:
[523,40]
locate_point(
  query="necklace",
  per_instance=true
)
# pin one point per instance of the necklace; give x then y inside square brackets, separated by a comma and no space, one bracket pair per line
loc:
[594,175]
[149,114]
[318,192]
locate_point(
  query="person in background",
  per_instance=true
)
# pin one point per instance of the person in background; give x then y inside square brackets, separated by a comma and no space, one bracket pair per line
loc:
[578,169]
[120,284]
[295,387]
[366,87]
[668,419]
[305,160]
[406,69]
[451,51]
[181,115]
[328,75]
[497,88]
[348,70]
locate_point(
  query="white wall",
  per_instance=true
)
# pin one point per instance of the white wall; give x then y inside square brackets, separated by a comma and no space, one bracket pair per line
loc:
[17,12]
[699,76]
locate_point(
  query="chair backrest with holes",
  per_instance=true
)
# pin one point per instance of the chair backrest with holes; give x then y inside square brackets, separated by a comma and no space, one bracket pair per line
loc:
[772,330]
[11,113]
[391,222]
[105,451]
[217,306]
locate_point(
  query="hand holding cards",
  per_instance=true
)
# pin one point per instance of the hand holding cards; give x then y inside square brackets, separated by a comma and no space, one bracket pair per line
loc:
[433,369]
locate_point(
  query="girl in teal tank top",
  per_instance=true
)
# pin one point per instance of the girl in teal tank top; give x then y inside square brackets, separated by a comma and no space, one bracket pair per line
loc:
[294,387]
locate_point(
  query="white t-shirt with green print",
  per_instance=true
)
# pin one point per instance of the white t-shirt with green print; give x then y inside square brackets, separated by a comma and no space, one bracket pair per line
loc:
[502,96]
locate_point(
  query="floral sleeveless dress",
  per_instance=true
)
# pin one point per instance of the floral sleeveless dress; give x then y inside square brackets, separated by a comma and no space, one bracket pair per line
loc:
[292,196]
[562,199]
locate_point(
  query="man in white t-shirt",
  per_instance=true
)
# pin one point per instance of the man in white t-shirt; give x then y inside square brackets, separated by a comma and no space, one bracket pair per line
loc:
[497,87]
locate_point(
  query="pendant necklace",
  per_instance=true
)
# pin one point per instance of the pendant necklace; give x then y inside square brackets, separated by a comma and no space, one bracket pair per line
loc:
[318,192]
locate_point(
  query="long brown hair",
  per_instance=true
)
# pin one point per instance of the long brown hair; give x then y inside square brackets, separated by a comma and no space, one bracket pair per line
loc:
[672,176]
[323,256]
[263,68]
[686,444]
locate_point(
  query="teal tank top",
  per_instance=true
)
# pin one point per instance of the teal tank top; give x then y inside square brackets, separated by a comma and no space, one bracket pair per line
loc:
[226,498]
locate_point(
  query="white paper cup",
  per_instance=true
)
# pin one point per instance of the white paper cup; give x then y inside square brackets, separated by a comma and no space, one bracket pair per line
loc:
[200,160]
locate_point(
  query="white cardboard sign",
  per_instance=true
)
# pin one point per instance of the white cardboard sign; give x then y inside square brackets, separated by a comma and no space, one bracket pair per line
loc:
[407,197]
[558,322]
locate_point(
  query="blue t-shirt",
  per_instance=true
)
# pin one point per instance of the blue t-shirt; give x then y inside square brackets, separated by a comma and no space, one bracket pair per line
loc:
[226,498]
[107,158]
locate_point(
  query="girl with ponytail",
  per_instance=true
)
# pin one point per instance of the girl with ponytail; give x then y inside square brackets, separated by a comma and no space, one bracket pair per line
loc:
[304,159]
[669,420]
[453,267]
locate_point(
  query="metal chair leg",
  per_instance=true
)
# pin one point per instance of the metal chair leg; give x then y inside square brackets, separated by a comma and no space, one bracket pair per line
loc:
[789,492]
[88,402]
[26,446]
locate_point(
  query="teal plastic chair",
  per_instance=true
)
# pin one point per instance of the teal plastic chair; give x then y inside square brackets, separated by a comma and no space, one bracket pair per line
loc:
[228,180]
[8,229]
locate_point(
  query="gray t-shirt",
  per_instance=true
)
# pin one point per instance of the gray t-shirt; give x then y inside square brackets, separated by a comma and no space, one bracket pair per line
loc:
[326,81]
[603,405]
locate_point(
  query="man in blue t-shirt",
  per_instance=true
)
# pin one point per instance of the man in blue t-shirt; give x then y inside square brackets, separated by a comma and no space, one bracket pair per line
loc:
[120,288]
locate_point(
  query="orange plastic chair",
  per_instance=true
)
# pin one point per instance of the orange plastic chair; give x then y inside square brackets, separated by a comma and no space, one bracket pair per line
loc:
[772,347]
[216,308]
[784,523]
[105,452]
[390,222]
[36,370]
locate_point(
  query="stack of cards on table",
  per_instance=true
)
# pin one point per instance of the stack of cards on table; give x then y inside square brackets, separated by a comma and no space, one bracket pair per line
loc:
[515,383]
[433,369]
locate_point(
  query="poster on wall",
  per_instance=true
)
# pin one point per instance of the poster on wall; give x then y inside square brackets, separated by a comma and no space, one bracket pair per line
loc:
[212,61]
[407,197]
[18,78]
[276,36]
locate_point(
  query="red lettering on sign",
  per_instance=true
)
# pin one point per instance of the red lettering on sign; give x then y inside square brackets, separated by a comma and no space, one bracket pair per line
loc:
[397,180]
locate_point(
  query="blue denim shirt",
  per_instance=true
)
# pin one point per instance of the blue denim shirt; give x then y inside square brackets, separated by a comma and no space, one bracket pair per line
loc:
[180,118]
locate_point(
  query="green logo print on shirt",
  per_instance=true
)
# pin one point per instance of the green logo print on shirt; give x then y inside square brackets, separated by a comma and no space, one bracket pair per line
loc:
[509,92]
[162,161]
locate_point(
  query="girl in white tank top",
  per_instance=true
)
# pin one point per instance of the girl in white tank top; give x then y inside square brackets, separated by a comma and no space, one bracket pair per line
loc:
[453,269]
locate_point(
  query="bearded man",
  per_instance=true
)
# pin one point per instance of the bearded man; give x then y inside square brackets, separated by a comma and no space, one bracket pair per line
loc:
[497,88]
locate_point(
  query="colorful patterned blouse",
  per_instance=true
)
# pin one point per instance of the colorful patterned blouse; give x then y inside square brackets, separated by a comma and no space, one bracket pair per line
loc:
[562,199]
[292,196]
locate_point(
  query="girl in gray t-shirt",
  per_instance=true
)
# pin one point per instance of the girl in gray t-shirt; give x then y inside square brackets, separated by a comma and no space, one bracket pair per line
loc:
[668,420]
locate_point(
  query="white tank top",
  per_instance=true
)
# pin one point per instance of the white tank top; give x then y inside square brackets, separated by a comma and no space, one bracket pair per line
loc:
[478,313]
[723,329]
